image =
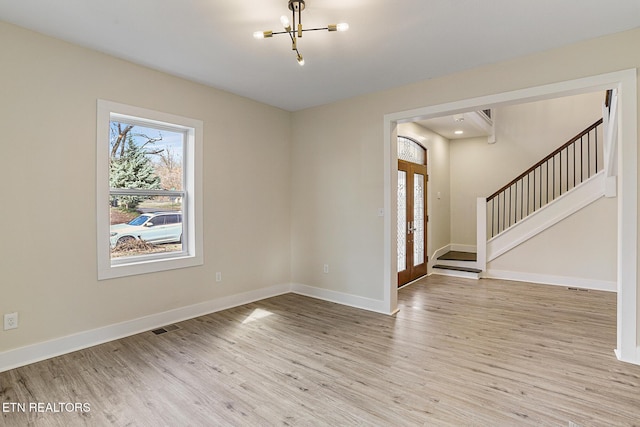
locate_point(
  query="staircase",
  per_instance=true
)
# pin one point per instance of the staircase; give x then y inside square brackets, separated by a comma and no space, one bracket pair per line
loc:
[577,198]
[576,174]
[571,177]
[565,168]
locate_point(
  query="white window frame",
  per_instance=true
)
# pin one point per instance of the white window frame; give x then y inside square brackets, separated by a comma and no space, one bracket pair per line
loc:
[191,255]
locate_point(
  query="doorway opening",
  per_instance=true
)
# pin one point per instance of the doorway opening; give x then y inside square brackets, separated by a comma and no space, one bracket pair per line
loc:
[628,323]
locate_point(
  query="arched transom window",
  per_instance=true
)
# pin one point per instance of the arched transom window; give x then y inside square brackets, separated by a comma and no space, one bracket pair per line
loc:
[410,151]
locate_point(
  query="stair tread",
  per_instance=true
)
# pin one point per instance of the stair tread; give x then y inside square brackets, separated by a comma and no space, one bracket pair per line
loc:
[456,268]
[458,256]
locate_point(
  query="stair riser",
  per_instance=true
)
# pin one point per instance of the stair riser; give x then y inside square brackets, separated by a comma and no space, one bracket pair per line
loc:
[455,273]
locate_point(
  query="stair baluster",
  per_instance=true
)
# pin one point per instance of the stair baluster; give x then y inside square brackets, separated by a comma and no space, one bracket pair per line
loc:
[546,180]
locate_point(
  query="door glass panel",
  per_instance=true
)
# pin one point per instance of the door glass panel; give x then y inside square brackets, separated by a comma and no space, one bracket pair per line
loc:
[418,219]
[402,220]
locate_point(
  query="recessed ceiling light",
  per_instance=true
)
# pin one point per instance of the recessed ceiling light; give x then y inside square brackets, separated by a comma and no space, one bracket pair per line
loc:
[459,132]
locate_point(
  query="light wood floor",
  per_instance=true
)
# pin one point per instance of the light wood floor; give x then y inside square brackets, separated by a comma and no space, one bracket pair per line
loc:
[460,352]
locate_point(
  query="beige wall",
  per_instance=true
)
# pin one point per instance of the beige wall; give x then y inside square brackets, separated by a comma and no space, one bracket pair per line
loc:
[339,165]
[48,256]
[525,133]
[336,188]
[582,246]
[283,195]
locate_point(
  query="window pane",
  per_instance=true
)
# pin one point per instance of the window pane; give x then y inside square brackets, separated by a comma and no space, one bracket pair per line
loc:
[402,220]
[155,226]
[143,157]
[418,219]
[411,151]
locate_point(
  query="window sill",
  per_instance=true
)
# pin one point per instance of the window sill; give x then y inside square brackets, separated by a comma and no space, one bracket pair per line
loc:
[148,266]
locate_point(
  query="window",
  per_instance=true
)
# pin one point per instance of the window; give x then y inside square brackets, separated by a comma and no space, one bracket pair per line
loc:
[411,151]
[149,205]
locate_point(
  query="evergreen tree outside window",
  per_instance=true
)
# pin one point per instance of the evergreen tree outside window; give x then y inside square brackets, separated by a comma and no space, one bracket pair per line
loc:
[148,187]
[132,170]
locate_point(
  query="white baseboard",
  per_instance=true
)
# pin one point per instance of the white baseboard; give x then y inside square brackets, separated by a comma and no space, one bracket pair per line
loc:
[634,360]
[36,352]
[56,347]
[340,298]
[574,282]
[438,253]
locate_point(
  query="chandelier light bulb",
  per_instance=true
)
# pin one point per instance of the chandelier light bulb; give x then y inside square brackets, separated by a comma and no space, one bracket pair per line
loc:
[262,34]
[285,21]
[338,27]
[300,60]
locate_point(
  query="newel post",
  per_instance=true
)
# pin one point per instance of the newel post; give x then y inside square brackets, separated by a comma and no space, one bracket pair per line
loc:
[481,227]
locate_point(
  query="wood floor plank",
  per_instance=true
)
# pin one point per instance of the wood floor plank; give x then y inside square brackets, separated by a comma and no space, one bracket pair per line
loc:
[459,352]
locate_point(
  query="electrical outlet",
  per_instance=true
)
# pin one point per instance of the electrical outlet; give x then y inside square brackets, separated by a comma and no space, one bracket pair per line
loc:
[10,321]
[218,277]
[326,269]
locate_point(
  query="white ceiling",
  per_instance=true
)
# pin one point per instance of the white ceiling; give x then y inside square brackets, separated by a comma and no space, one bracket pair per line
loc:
[388,44]
[471,124]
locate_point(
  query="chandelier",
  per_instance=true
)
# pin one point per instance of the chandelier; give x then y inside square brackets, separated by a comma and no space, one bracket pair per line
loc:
[295,31]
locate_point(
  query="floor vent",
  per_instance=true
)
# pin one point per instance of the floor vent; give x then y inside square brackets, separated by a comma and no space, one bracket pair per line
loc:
[165,329]
[578,289]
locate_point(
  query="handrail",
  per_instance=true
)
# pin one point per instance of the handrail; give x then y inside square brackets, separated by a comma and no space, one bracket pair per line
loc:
[544,160]
[560,171]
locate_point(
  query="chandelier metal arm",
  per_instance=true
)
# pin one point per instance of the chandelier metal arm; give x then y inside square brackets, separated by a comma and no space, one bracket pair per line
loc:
[305,29]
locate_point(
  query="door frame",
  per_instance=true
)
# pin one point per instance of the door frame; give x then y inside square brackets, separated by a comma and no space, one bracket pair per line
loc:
[410,176]
[625,81]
